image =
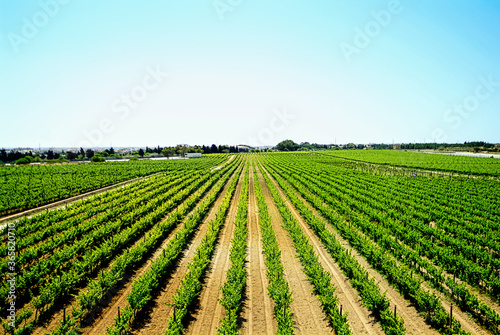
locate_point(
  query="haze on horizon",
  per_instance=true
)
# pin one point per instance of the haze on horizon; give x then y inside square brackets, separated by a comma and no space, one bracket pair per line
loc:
[248,72]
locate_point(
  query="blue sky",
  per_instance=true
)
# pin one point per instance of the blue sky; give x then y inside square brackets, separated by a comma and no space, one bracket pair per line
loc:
[137,73]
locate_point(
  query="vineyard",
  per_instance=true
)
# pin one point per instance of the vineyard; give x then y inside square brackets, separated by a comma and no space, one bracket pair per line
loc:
[327,242]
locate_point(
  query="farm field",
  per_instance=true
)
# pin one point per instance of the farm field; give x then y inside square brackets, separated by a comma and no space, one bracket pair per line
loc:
[25,187]
[265,243]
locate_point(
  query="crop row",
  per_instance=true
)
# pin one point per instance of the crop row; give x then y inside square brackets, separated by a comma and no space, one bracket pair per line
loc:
[278,288]
[233,287]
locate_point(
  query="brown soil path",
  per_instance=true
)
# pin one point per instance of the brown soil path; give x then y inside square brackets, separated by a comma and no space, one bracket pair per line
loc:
[258,311]
[414,323]
[223,164]
[207,317]
[308,314]
[156,320]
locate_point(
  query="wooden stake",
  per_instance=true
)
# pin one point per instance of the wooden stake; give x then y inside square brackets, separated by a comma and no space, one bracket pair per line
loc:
[340,310]
[395,315]
[451,314]
[64,314]
[119,317]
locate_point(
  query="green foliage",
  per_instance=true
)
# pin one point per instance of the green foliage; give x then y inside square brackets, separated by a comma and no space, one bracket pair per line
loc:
[287,145]
[98,159]
[233,288]
[23,161]
[278,288]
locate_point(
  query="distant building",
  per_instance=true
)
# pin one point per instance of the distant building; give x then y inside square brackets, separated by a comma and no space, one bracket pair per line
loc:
[193,155]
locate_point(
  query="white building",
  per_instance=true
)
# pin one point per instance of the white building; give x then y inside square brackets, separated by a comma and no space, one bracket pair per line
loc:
[193,155]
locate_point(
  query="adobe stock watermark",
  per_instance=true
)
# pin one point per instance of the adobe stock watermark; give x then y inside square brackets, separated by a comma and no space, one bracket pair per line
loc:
[123,106]
[11,274]
[454,116]
[224,6]
[372,29]
[279,121]
[32,26]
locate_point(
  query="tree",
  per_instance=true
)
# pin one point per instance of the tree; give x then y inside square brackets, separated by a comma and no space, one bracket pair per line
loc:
[141,152]
[287,145]
[181,149]
[168,151]
[213,149]
[89,153]
[82,153]
[71,155]
[3,155]
[50,154]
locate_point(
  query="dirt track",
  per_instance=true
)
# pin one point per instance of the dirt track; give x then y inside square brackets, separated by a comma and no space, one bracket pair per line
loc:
[258,311]
[207,317]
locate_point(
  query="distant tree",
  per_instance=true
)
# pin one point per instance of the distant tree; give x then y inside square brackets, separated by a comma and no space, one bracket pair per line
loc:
[50,154]
[71,155]
[141,152]
[168,151]
[213,149]
[89,153]
[3,155]
[287,145]
[226,151]
[98,159]
[82,152]
[181,149]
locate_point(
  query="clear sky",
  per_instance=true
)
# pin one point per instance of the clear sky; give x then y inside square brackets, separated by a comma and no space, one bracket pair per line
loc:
[137,73]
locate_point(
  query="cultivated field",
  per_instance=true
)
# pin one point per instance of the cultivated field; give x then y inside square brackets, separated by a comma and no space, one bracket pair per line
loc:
[327,242]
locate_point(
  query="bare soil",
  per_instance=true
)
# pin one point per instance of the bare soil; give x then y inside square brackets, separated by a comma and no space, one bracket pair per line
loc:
[258,311]
[308,314]
[207,317]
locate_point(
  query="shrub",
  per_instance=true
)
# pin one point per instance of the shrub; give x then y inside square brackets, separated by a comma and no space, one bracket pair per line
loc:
[97,159]
[22,161]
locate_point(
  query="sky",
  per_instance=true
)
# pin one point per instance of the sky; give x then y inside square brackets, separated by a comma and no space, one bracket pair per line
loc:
[95,73]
